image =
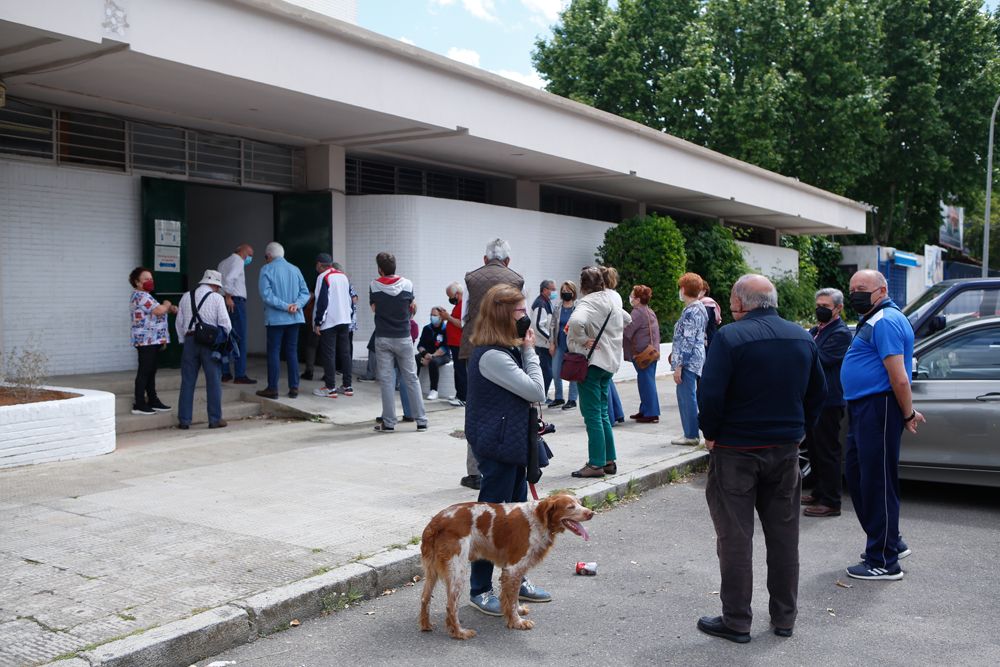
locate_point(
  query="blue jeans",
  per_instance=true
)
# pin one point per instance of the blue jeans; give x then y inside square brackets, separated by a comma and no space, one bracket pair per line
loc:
[501,483]
[193,358]
[557,362]
[615,411]
[649,401]
[283,338]
[687,403]
[239,319]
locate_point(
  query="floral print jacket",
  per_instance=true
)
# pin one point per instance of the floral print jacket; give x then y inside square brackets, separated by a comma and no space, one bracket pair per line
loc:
[689,338]
[147,328]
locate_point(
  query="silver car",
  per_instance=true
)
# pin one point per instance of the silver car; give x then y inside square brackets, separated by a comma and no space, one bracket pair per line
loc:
[956,385]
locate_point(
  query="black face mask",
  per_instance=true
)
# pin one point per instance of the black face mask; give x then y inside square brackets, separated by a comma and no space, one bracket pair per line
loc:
[523,324]
[566,296]
[823,314]
[861,302]
[453,300]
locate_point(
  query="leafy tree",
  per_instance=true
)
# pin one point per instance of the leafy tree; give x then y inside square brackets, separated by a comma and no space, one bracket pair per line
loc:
[713,254]
[648,251]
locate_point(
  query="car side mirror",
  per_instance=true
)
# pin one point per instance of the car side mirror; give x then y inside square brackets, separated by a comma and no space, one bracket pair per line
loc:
[937,323]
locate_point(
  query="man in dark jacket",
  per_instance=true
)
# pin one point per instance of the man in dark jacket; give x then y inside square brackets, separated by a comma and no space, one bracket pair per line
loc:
[761,388]
[494,271]
[832,339]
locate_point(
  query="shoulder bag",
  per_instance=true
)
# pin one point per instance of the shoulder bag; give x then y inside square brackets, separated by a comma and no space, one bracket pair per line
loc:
[204,334]
[651,353]
[575,365]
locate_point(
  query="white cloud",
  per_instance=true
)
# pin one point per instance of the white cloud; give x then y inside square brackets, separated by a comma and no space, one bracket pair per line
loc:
[530,79]
[545,9]
[481,9]
[467,56]
[407,40]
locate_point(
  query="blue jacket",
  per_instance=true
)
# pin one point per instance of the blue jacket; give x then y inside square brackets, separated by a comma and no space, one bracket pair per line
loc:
[762,385]
[496,420]
[281,284]
[832,343]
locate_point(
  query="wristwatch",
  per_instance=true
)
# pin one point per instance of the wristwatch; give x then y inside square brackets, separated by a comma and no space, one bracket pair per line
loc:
[912,416]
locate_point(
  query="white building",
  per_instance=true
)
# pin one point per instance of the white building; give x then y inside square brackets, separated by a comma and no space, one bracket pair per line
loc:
[249,120]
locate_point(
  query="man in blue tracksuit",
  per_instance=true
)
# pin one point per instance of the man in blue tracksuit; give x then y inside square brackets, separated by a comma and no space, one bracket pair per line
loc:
[876,381]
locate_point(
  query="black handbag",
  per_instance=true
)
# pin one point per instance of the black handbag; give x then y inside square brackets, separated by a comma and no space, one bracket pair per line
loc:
[204,334]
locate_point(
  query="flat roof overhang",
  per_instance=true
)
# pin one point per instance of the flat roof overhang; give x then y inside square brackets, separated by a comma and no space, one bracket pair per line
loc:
[391,100]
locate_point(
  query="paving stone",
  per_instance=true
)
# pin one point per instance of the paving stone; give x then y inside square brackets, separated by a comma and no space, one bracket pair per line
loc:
[25,642]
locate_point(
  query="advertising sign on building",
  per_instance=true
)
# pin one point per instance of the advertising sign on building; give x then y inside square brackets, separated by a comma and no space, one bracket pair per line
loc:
[952,224]
[933,265]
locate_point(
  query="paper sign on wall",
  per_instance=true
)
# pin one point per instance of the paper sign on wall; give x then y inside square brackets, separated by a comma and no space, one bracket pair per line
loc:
[168,232]
[167,259]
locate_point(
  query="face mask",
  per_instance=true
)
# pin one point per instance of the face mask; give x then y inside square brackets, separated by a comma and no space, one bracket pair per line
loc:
[453,300]
[566,296]
[861,302]
[435,320]
[148,285]
[247,260]
[523,324]
[823,314]
[553,296]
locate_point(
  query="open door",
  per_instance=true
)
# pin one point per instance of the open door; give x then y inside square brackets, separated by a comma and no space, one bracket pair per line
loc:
[164,247]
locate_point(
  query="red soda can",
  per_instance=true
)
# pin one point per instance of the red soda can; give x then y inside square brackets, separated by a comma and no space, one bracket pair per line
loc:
[587,569]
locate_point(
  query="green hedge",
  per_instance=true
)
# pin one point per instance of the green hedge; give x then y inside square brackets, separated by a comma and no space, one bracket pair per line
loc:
[713,254]
[648,251]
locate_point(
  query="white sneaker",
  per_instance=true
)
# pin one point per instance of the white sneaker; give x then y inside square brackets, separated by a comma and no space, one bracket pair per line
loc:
[688,442]
[457,403]
[432,396]
[325,392]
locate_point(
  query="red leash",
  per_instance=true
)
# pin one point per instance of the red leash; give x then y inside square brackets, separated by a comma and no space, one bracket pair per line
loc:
[534,494]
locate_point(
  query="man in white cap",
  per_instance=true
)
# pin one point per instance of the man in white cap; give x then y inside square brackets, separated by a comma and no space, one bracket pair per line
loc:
[204,304]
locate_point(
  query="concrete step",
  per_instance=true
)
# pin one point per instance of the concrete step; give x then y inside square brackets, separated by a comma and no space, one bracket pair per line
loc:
[231,411]
[230,393]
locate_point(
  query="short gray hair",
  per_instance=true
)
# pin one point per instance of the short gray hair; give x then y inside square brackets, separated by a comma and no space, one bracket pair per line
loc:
[545,285]
[835,294]
[755,291]
[274,249]
[498,249]
[455,287]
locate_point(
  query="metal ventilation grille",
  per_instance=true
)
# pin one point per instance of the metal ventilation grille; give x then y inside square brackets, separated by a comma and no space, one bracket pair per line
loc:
[365,177]
[88,139]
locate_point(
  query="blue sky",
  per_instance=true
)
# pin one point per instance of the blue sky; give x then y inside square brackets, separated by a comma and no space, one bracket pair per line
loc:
[497,35]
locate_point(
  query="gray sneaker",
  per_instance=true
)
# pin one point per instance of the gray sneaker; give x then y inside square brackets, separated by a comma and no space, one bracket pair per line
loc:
[488,603]
[532,593]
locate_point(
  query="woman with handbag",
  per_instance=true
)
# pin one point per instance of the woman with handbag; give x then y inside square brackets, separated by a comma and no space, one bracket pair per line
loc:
[595,334]
[504,379]
[641,346]
[557,343]
[688,355]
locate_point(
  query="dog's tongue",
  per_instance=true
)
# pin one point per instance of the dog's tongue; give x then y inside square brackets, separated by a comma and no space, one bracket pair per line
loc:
[579,530]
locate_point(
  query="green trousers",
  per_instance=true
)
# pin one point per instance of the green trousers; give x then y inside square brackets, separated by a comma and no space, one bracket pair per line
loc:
[594,408]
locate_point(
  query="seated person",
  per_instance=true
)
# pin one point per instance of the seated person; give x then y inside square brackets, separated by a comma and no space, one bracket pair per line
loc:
[432,350]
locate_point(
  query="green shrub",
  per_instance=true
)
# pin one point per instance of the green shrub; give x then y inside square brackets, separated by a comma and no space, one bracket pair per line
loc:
[713,254]
[648,251]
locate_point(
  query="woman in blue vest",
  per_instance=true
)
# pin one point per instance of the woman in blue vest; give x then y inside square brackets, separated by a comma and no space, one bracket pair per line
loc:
[504,379]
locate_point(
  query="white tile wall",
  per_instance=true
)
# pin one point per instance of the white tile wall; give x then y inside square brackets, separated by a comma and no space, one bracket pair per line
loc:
[436,241]
[68,239]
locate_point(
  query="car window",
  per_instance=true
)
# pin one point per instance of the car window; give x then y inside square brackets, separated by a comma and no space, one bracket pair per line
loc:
[970,356]
[916,308]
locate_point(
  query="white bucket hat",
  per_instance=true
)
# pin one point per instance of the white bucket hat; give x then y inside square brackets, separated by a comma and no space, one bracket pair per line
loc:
[211,278]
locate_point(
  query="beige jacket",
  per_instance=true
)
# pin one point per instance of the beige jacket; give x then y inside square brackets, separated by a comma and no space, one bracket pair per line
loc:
[586,321]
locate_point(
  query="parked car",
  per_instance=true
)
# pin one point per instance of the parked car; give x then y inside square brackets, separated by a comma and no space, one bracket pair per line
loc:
[956,385]
[951,301]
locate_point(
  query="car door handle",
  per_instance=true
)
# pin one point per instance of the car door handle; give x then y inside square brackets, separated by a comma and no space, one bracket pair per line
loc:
[992,396]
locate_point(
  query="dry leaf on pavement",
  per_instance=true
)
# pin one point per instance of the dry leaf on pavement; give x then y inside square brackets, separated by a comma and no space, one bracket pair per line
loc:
[294,623]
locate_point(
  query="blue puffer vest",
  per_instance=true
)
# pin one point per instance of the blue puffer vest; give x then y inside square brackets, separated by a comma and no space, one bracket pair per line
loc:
[496,420]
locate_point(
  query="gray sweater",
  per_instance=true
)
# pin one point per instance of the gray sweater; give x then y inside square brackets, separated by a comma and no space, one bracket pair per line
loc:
[501,369]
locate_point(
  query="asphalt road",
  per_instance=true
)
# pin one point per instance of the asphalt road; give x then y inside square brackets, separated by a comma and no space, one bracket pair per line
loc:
[658,573]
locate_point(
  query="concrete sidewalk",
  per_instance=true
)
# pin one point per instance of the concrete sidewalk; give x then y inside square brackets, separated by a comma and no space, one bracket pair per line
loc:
[194,524]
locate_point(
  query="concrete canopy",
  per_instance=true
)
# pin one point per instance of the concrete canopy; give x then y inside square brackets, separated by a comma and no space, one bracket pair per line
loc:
[268,70]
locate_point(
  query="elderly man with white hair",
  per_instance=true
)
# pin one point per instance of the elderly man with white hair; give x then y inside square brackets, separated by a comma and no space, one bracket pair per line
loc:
[876,380]
[762,386]
[285,294]
[494,271]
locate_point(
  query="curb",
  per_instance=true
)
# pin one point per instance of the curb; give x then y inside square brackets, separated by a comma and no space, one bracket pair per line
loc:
[217,630]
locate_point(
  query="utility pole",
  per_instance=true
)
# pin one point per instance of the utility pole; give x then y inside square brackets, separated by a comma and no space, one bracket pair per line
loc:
[989,194]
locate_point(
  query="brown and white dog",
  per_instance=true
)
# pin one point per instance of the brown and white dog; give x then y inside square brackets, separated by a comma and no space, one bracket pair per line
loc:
[515,536]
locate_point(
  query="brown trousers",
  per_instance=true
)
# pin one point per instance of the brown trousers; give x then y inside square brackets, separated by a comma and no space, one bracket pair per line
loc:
[767,480]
